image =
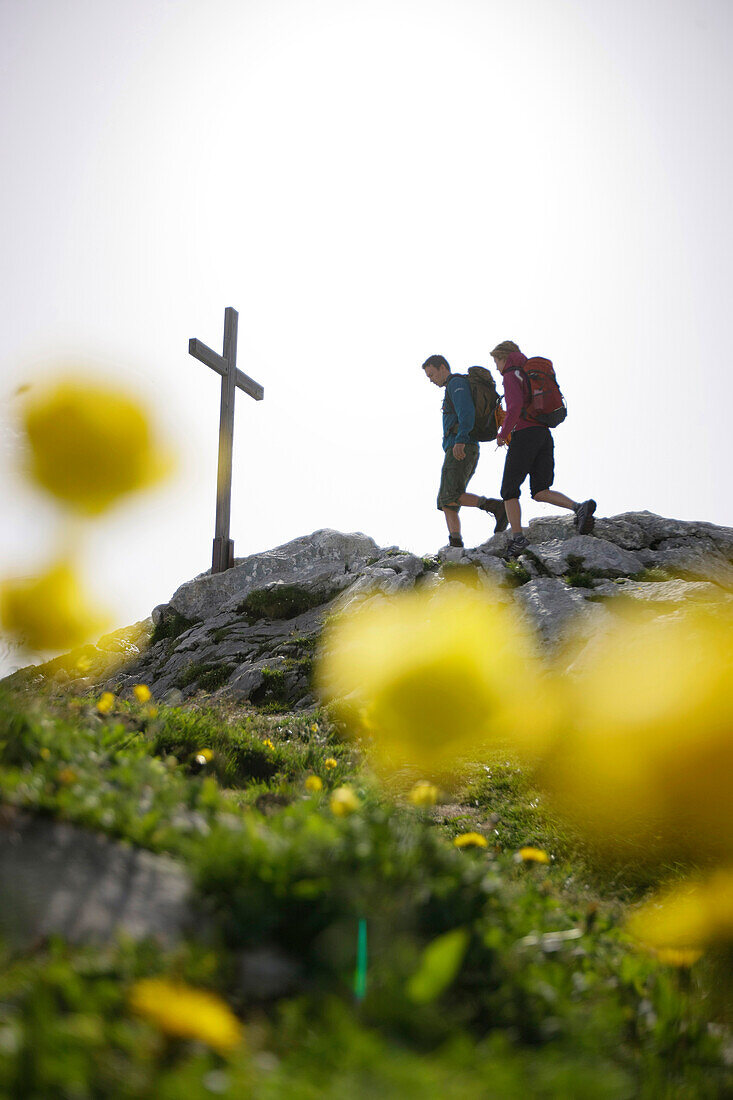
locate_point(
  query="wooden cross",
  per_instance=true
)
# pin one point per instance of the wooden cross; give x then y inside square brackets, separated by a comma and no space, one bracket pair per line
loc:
[226,366]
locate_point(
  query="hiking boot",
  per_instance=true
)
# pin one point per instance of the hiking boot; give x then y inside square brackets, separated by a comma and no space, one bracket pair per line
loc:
[584,517]
[498,511]
[455,540]
[516,544]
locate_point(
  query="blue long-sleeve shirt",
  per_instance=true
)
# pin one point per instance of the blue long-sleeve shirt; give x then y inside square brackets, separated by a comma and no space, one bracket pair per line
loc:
[459,415]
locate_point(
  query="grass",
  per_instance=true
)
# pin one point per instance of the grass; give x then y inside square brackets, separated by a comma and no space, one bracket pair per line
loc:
[222,789]
[283,601]
[170,626]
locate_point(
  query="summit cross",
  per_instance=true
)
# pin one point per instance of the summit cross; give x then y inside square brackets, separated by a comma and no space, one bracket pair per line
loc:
[231,378]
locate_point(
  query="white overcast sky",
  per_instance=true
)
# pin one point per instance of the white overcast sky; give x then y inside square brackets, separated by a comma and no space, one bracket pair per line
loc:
[367,182]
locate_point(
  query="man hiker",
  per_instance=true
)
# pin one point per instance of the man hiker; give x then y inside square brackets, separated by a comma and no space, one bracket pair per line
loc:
[530,453]
[461,452]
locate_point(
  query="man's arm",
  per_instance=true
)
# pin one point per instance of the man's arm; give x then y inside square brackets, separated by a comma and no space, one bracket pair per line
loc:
[459,392]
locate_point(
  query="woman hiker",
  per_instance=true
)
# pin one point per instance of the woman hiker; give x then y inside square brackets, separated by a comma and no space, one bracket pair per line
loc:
[530,453]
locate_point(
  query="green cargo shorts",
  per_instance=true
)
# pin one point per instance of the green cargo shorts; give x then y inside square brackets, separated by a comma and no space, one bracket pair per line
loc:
[456,475]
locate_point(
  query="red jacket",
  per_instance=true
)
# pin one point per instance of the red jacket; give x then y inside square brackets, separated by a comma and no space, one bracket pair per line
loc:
[515,396]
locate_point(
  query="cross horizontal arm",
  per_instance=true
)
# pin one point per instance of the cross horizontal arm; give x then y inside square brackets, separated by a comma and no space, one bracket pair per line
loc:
[206,355]
[218,363]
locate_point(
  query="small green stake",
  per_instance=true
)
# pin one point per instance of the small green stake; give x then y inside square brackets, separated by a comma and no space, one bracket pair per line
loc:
[360,977]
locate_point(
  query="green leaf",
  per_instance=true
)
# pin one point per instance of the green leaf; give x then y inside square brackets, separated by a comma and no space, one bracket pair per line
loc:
[440,962]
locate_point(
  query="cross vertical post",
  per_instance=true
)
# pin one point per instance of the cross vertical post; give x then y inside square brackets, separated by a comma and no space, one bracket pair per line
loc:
[231,380]
[223,554]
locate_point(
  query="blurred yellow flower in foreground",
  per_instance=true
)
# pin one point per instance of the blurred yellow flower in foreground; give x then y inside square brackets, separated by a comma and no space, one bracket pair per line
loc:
[532,855]
[693,915]
[649,757]
[90,443]
[141,693]
[184,1012]
[313,784]
[106,702]
[471,840]
[433,677]
[673,956]
[423,794]
[48,612]
[344,802]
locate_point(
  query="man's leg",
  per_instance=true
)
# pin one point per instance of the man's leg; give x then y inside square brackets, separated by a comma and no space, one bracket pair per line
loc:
[486,504]
[453,520]
[455,476]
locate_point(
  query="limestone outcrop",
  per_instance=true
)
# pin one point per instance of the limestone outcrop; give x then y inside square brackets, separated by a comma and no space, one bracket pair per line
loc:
[251,632]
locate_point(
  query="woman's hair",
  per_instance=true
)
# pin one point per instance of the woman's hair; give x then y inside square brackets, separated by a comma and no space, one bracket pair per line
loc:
[502,350]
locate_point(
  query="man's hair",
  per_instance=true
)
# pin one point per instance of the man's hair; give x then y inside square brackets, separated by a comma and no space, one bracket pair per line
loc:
[502,350]
[436,361]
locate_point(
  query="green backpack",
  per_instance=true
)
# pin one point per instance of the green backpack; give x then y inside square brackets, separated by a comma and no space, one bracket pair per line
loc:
[486,401]
[486,404]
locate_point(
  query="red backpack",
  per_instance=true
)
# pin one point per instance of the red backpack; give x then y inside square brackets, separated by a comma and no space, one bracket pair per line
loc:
[546,404]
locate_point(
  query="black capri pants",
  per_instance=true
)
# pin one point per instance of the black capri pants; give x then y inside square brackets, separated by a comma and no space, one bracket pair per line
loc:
[531,451]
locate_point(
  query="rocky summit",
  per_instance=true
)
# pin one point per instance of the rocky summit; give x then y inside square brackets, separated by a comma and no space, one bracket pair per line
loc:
[251,632]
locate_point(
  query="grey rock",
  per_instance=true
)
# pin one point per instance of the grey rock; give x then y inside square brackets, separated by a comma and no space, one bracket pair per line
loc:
[693,563]
[454,554]
[665,592]
[552,608]
[493,567]
[622,531]
[157,613]
[342,570]
[659,529]
[547,528]
[402,563]
[318,558]
[57,878]
[596,554]
[173,697]
[266,973]
[246,681]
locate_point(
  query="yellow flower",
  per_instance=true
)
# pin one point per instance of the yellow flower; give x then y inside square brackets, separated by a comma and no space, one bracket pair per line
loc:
[433,676]
[672,956]
[151,712]
[471,840]
[688,917]
[344,802]
[141,693]
[205,756]
[649,760]
[313,784]
[423,794]
[48,612]
[268,743]
[106,702]
[90,443]
[532,855]
[66,777]
[329,762]
[183,1012]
